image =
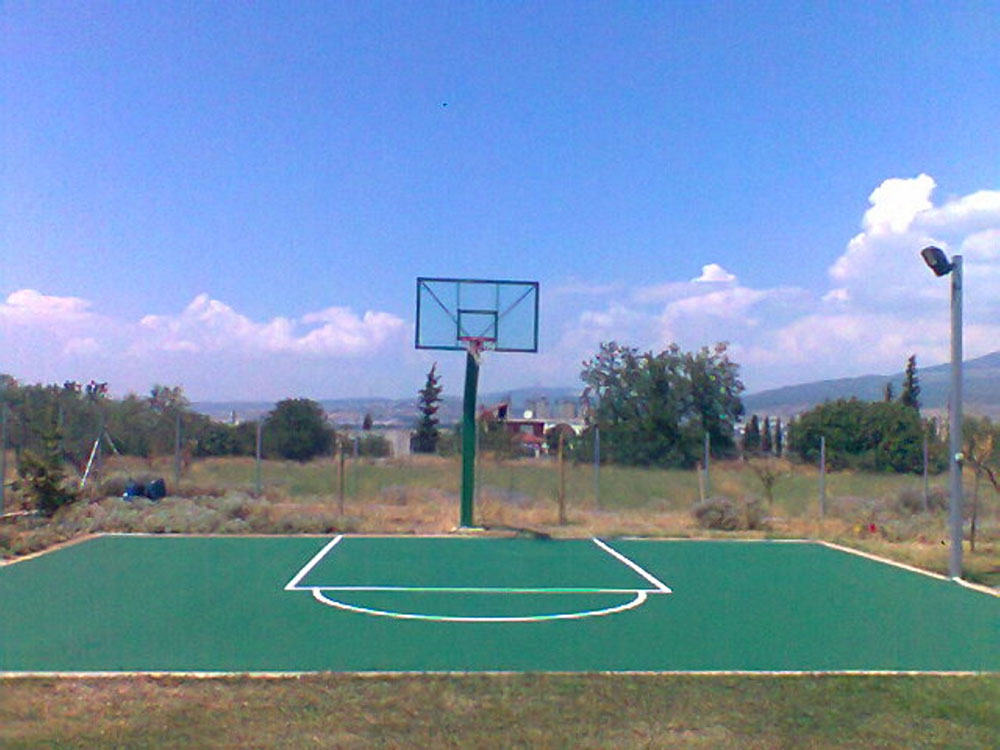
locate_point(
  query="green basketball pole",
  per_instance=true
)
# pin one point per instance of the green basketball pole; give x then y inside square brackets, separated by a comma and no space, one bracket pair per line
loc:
[469,438]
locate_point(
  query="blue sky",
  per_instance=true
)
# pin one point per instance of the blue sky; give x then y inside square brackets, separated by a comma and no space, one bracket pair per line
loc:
[237,198]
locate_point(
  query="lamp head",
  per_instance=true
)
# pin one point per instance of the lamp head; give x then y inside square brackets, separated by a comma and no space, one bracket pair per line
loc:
[936,260]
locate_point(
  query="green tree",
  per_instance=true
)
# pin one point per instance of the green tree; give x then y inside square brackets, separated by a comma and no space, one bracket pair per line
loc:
[910,395]
[715,394]
[875,436]
[981,446]
[654,409]
[765,436]
[751,435]
[887,392]
[43,477]
[428,403]
[296,429]
[779,438]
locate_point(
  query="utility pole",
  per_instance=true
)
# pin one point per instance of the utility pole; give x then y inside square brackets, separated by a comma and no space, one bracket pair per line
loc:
[938,262]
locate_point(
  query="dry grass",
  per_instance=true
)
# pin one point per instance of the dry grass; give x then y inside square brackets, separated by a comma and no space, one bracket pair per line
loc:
[529,711]
[419,495]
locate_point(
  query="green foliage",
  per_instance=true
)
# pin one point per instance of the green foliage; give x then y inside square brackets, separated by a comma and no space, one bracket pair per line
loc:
[654,409]
[494,438]
[554,433]
[765,436]
[911,385]
[715,392]
[751,436]
[981,446]
[427,435]
[769,472]
[373,445]
[296,429]
[876,436]
[42,476]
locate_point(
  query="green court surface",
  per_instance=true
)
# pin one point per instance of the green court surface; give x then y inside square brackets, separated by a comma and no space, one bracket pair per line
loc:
[374,604]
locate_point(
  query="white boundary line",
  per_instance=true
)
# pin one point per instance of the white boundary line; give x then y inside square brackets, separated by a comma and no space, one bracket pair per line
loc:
[640,598]
[634,566]
[370,674]
[293,584]
[640,595]
[472,590]
[910,568]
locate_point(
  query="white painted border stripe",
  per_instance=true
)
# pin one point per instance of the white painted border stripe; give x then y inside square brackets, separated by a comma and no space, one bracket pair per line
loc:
[640,598]
[910,568]
[370,674]
[473,590]
[292,585]
[634,566]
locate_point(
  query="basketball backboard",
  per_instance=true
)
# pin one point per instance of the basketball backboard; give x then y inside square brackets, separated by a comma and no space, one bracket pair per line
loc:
[501,315]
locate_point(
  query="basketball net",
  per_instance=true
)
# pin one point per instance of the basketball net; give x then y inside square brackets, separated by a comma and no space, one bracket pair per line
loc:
[476,345]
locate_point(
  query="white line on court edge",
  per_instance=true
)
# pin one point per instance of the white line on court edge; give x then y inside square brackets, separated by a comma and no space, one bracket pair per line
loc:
[912,569]
[640,597]
[635,566]
[292,585]
[472,590]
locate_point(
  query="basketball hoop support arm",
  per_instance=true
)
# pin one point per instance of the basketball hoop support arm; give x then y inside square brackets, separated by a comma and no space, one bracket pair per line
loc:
[469,438]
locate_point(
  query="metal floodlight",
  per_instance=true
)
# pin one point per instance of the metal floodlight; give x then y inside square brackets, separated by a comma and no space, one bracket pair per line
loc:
[936,260]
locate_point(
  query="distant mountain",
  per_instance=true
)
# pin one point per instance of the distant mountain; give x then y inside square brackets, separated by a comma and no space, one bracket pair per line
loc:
[981,396]
[403,411]
[981,390]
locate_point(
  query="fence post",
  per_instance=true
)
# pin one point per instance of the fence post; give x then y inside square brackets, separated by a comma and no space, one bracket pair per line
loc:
[177,450]
[260,427]
[822,477]
[708,480]
[340,478]
[926,488]
[562,478]
[597,466]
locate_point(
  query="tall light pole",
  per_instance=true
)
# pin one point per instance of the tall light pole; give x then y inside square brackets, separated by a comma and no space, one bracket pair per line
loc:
[938,262]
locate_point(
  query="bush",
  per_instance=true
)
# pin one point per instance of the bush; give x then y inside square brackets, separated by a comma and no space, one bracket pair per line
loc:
[725,514]
[45,482]
[912,500]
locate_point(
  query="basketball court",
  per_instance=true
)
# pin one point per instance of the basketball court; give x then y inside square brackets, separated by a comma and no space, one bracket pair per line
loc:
[279,605]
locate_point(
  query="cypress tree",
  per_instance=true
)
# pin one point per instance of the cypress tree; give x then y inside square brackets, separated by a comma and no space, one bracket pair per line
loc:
[426,439]
[751,436]
[911,385]
[765,436]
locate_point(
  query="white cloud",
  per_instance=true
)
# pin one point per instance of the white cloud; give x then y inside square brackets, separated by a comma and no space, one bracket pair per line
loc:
[30,307]
[839,295]
[982,247]
[713,273]
[880,269]
[208,325]
[881,306]
[897,202]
